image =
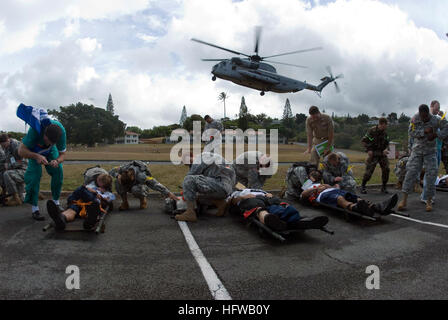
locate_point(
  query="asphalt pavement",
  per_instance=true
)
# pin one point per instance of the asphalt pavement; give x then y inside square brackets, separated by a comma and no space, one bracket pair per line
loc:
[144,255]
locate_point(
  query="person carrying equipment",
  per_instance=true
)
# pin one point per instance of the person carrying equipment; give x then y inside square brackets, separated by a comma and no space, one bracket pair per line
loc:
[134,177]
[44,144]
[88,201]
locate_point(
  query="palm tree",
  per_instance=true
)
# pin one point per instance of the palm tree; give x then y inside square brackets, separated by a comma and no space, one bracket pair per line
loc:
[223,96]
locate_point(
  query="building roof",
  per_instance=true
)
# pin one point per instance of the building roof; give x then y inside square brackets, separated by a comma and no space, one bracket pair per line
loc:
[130,133]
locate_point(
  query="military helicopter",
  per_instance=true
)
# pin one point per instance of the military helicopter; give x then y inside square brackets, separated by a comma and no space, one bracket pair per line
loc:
[253,73]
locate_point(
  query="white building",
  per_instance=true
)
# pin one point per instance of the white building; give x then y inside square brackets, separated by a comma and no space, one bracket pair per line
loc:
[129,138]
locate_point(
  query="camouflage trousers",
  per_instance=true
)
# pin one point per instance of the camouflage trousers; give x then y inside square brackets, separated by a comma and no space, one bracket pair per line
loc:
[371,163]
[13,181]
[295,177]
[207,186]
[348,183]
[138,190]
[414,167]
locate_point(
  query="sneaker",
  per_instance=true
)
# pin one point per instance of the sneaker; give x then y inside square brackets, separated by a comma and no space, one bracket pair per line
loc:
[275,223]
[37,216]
[310,223]
[56,215]
[363,207]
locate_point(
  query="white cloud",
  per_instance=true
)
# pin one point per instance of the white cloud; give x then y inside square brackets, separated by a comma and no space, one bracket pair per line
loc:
[88,45]
[146,37]
[85,75]
[389,63]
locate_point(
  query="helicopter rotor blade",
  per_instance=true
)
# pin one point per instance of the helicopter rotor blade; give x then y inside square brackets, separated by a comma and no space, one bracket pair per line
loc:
[286,64]
[215,46]
[337,87]
[257,38]
[329,71]
[293,52]
[214,59]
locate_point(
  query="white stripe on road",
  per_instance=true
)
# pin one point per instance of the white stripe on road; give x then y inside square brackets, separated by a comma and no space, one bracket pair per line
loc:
[215,285]
[422,222]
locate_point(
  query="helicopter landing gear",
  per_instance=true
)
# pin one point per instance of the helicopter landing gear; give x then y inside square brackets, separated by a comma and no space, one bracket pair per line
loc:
[213,78]
[262,93]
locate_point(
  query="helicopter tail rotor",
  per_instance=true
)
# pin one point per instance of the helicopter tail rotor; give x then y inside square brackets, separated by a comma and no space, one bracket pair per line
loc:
[333,79]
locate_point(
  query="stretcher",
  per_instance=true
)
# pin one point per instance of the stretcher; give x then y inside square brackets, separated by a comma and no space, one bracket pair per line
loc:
[349,214]
[278,235]
[75,226]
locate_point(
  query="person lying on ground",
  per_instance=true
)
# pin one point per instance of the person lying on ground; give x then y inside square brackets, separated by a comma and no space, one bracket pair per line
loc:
[269,210]
[335,197]
[86,202]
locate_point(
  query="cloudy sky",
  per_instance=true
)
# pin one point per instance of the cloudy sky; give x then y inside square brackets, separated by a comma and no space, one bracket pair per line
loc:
[393,54]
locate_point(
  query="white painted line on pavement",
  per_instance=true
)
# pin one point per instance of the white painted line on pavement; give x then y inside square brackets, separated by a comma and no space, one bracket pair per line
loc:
[215,285]
[422,222]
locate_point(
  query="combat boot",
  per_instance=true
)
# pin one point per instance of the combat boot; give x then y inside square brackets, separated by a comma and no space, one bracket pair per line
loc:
[403,203]
[222,207]
[384,189]
[417,187]
[125,204]
[189,215]
[385,207]
[143,203]
[14,200]
[363,188]
[429,204]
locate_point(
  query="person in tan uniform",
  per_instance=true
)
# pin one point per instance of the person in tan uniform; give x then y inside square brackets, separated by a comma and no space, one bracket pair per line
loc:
[319,127]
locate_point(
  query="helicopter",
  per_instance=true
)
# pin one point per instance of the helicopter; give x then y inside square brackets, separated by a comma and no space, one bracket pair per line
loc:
[253,73]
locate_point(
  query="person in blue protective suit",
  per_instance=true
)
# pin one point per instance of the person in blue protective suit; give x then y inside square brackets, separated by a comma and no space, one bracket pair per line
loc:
[44,144]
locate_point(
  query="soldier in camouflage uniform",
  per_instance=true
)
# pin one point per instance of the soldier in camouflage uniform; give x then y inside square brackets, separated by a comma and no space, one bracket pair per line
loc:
[209,176]
[424,130]
[2,169]
[445,155]
[212,124]
[296,176]
[14,170]
[135,177]
[247,169]
[337,171]
[376,143]
[400,170]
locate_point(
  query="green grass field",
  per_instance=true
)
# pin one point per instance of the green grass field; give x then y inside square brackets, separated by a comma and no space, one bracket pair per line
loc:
[172,176]
[161,152]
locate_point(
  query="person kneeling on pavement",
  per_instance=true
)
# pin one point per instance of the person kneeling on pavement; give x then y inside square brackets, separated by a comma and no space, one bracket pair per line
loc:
[314,192]
[86,202]
[269,210]
[209,177]
[135,177]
